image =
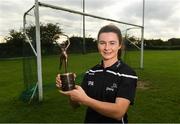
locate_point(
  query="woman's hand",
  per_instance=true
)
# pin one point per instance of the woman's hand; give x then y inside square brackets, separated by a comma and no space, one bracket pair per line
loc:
[58,81]
[76,94]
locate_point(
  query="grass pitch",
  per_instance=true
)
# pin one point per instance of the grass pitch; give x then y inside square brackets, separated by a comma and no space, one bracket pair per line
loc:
[157,97]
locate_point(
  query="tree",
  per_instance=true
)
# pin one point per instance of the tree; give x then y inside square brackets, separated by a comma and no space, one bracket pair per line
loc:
[15,43]
[47,31]
[174,41]
[76,44]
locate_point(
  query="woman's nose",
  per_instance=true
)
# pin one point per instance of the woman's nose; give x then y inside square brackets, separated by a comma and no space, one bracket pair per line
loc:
[107,46]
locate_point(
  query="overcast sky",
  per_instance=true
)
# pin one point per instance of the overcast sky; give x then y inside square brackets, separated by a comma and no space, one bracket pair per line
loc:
[162,17]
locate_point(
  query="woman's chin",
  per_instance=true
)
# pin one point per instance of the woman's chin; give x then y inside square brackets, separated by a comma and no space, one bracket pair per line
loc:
[107,57]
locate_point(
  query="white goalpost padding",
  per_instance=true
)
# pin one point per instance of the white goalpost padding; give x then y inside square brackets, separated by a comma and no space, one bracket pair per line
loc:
[37,52]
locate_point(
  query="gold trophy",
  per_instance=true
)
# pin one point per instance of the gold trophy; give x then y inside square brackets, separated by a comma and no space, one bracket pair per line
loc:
[67,78]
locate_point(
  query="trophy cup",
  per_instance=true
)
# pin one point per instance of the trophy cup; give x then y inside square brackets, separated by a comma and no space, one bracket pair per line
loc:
[67,78]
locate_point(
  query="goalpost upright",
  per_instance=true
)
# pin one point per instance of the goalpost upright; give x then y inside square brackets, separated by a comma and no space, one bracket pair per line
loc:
[37,52]
[142,37]
[38,48]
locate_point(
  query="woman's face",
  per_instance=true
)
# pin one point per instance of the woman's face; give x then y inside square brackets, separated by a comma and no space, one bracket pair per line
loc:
[108,45]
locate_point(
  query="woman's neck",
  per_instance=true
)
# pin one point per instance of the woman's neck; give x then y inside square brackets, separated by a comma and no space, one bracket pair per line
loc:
[110,62]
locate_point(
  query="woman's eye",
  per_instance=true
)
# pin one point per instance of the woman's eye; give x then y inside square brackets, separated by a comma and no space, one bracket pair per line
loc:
[112,43]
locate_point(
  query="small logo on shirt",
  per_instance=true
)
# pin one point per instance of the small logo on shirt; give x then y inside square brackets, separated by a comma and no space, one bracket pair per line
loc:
[114,85]
[111,88]
[90,83]
[91,73]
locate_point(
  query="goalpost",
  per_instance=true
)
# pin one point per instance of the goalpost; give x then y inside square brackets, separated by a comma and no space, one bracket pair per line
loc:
[37,51]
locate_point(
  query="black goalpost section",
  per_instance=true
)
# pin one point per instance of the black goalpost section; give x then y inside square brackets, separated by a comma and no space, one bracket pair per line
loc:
[32,48]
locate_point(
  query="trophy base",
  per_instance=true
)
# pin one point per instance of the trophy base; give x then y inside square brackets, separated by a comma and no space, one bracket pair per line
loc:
[68,81]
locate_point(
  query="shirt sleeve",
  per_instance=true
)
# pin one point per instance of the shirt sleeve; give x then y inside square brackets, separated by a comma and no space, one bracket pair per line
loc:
[127,88]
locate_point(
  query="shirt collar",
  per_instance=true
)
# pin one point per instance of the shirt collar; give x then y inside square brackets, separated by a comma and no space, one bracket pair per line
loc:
[114,66]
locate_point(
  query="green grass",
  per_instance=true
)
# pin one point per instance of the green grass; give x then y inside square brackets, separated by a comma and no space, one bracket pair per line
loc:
[160,103]
[157,102]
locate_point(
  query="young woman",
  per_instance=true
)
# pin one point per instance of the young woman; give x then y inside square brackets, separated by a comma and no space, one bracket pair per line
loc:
[108,89]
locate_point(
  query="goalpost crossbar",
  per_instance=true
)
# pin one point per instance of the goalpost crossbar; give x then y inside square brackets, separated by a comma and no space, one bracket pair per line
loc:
[86,14]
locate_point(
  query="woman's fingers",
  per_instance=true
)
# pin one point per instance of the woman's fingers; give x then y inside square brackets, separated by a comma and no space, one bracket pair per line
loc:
[58,85]
[74,75]
[65,92]
[58,81]
[58,78]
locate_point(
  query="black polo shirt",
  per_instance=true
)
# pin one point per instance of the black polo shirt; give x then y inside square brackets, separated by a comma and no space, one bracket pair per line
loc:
[106,84]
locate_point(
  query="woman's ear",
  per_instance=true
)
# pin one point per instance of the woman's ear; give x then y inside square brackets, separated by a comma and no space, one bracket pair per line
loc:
[120,46]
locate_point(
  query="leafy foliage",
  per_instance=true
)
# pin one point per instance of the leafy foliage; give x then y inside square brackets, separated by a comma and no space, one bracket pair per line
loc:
[14,44]
[47,32]
[16,41]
